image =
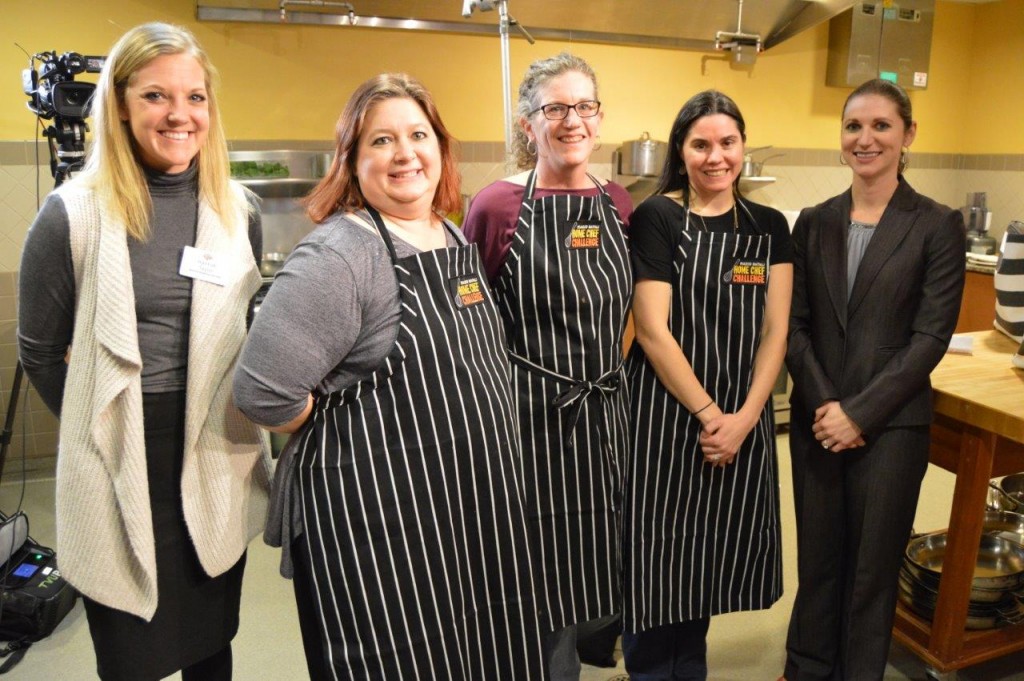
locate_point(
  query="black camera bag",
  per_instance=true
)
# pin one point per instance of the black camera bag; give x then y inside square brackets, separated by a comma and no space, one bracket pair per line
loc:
[31,608]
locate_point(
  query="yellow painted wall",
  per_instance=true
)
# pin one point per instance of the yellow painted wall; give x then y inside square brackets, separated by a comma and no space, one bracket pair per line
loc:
[288,82]
[994,101]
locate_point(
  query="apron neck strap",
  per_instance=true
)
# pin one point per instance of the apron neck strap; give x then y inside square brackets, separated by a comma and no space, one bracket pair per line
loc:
[385,233]
[382,229]
[531,185]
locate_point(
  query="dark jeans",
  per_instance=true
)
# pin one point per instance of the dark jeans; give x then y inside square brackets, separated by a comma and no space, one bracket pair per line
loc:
[673,652]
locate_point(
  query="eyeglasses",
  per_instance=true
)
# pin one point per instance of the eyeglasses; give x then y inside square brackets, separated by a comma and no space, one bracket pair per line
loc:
[556,112]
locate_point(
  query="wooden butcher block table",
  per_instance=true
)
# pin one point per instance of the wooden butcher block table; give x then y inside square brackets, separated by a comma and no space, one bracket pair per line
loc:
[978,433]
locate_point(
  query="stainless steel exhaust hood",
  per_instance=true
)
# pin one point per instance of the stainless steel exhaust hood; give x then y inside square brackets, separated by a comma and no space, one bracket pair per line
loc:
[670,24]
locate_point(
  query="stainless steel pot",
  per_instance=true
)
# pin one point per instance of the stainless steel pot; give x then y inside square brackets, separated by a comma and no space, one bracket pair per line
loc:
[928,581]
[978,617]
[749,168]
[643,157]
[272,263]
[1012,488]
[752,168]
[1000,562]
[1005,524]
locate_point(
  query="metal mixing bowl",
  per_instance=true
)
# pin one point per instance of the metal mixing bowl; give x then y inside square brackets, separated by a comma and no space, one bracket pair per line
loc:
[999,566]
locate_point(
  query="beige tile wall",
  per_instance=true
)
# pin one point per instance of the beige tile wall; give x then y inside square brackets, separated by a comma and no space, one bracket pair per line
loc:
[803,177]
[34,435]
[947,178]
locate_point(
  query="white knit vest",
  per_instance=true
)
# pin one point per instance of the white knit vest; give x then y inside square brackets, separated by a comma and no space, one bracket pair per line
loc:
[104,522]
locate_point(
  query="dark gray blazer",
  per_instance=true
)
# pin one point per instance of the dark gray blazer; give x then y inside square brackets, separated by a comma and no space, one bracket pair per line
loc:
[875,351]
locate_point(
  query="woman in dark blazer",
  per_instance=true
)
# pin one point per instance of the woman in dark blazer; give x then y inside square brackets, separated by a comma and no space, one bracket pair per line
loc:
[878,278]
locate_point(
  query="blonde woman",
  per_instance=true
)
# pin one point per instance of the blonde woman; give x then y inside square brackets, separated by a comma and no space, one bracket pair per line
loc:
[135,283]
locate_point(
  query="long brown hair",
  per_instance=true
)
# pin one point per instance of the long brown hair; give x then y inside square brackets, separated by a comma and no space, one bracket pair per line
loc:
[339,189]
[707,103]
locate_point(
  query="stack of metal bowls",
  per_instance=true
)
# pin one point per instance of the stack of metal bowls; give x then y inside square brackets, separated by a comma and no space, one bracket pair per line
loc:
[1008,494]
[998,583]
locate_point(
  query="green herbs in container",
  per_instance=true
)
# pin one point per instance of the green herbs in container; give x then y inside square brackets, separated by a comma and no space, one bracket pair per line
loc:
[258,170]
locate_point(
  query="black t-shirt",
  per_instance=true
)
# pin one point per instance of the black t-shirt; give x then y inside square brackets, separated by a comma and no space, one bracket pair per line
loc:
[657,224]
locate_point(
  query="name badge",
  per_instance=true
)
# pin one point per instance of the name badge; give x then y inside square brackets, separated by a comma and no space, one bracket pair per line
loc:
[747,272]
[203,265]
[584,235]
[466,291]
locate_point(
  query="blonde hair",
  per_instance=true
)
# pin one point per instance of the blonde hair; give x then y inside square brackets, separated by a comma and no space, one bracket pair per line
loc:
[113,167]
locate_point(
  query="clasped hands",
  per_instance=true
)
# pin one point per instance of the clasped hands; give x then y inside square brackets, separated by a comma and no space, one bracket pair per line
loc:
[834,429]
[721,437]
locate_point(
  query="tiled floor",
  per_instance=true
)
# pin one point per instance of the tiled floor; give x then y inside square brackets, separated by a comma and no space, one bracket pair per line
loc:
[742,646]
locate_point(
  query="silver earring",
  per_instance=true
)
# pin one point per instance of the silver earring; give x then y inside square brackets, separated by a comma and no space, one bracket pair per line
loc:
[531,152]
[597,144]
[904,158]
[842,160]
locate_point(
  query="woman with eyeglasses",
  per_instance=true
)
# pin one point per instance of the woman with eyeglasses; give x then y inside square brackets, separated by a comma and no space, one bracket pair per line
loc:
[554,246]
[711,306]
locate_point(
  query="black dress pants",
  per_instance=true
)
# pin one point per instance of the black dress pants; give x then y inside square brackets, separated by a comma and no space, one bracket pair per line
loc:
[854,513]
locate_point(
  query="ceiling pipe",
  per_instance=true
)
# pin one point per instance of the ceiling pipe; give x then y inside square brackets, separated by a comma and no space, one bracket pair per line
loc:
[504,22]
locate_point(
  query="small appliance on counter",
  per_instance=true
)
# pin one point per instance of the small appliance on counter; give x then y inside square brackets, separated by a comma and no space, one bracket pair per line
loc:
[978,220]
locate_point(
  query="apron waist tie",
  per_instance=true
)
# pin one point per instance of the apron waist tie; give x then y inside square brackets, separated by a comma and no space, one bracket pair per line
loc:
[575,396]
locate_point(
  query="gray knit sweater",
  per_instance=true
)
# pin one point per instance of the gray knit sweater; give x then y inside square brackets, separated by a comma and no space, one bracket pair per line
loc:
[104,525]
[162,296]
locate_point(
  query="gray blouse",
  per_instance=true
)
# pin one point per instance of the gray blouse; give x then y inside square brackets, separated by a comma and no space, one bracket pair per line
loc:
[857,239]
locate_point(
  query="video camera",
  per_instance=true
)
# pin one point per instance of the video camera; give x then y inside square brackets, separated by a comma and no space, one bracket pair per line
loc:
[51,88]
[53,94]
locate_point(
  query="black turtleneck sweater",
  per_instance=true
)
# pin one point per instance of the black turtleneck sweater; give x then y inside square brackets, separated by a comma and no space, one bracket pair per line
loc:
[162,296]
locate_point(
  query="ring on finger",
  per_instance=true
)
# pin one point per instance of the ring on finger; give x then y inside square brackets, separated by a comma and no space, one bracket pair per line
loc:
[825,444]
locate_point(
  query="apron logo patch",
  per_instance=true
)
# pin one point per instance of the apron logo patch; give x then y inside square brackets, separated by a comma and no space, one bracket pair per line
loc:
[750,272]
[584,235]
[466,291]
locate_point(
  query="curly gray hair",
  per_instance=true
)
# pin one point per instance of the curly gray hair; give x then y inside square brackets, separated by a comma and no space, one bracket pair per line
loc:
[537,76]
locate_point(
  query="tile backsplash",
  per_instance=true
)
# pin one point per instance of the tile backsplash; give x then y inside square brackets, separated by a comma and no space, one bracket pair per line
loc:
[803,177]
[33,446]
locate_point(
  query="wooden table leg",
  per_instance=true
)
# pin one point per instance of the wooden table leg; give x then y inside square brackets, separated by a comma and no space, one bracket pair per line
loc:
[968,513]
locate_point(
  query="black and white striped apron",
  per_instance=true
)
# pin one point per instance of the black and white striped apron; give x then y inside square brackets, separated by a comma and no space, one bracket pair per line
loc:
[411,498]
[564,294]
[702,540]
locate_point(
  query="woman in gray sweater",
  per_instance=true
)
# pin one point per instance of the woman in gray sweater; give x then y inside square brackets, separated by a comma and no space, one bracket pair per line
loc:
[135,283]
